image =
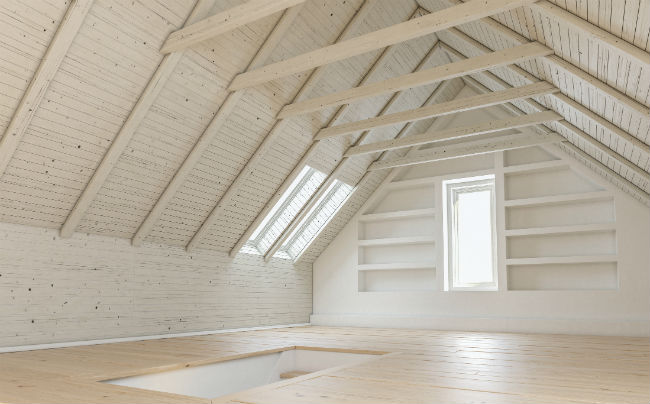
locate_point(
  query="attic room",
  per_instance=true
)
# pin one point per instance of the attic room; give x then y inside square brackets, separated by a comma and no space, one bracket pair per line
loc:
[332,201]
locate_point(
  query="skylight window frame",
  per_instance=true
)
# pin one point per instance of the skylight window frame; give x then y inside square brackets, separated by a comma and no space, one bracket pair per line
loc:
[451,189]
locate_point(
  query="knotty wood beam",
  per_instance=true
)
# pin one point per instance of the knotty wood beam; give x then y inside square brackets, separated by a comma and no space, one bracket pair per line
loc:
[56,51]
[436,74]
[379,62]
[223,22]
[215,125]
[457,133]
[445,108]
[270,138]
[124,136]
[595,118]
[470,148]
[594,32]
[428,24]
[333,175]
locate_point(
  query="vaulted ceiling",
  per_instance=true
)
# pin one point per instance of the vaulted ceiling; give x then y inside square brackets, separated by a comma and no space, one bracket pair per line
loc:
[113,126]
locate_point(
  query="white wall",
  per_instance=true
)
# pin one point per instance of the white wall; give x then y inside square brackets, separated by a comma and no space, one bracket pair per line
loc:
[94,287]
[339,298]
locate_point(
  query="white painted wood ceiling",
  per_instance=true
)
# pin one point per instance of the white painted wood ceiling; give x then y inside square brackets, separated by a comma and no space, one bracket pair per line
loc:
[116,51]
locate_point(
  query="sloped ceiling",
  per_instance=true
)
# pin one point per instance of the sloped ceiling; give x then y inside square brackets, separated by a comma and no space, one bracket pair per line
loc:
[116,52]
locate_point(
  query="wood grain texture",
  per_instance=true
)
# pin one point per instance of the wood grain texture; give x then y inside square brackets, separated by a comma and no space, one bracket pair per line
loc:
[423,366]
[223,22]
[425,25]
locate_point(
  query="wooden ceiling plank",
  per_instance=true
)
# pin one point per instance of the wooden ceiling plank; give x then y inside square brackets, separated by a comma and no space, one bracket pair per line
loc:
[457,133]
[470,148]
[223,22]
[428,24]
[49,65]
[425,77]
[124,136]
[445,108]
[594,32]
[215,125]
[270,138]
[379,62]
[333,175]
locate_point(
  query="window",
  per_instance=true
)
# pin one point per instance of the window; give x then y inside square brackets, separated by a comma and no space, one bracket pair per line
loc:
[295,197]
[470,234]
[316,218]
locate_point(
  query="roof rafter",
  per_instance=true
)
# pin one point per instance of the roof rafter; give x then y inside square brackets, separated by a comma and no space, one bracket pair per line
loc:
[313,199]
[49,65]
[565,124]
[223,22]
[457,132]
[124,136]
[435,74]
[490,144]
[206,138]
[428,24]
[445,108]
[268,140]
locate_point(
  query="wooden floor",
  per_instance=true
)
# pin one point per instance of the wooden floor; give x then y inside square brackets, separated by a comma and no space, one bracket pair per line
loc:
[427,366]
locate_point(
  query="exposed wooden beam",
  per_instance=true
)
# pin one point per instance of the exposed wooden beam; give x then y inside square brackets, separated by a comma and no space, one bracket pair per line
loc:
[445,108]
[435,74]
[277,129]
[56,51]
[457,133]
[469,148]
[379,62]
[554,60]
[124,136]
[229,104]
[428,24]
[223,22]
[333,175]
[594,32]
[622,182]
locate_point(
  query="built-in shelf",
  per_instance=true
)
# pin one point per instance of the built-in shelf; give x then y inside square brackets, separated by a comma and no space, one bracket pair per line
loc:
[416,182]
[397,241]
[400,214]
[579,259]
[396,266]
[580,228]
[544,200]
[535,167]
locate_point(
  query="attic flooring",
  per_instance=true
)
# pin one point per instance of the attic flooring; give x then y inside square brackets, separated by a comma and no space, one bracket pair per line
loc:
[426,366]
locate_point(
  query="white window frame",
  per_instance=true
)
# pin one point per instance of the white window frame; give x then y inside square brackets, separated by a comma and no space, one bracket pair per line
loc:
[452,188]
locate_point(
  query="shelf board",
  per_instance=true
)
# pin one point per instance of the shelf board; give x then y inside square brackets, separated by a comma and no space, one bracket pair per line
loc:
[397,241]
[579,228]
[576,259]
[396,266]
[547,200]
[399,214]
[536,167]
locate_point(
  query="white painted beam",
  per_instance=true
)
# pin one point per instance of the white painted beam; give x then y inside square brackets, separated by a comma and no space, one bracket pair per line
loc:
[223,22]
[445,108]
[457,133]
[428,24]
[124,136]
[270,138]
[594,32]
[469,148]
[229,104]
[56,51]
[435,74]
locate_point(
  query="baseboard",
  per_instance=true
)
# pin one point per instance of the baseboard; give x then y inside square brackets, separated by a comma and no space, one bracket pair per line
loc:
[632,328]
[140,338]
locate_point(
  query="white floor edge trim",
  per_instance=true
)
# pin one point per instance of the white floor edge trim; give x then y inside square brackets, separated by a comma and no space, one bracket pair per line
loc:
[140,338]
